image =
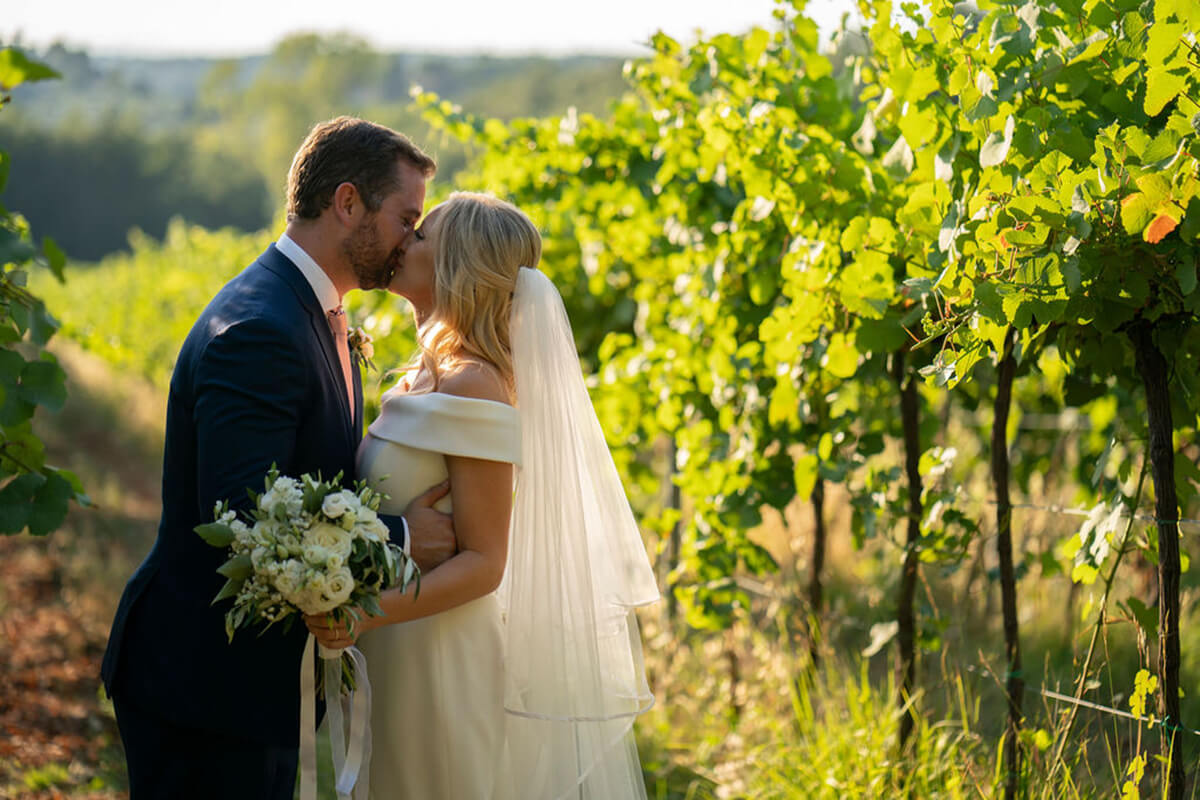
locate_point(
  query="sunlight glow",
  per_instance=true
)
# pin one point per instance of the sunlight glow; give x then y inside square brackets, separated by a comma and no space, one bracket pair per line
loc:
[241,27]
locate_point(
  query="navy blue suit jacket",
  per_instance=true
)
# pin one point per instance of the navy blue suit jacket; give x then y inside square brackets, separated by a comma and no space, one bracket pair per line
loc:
[258,382]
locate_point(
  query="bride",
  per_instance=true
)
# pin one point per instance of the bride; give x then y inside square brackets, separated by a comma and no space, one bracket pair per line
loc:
[516,668]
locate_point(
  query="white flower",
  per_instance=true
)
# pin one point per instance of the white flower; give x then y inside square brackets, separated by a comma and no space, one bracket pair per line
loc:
[375,531]
[284,492]
[259,557]
[316,581]
[330,537]
[314,601]
[265,532]
[334,506]
[291,543]
[315,555]
[290,580]
[339,586]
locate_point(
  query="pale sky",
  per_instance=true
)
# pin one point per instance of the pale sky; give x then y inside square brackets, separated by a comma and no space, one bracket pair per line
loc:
[241,27]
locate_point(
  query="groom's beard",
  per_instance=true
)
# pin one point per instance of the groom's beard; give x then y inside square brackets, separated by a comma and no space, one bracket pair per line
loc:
[372,266]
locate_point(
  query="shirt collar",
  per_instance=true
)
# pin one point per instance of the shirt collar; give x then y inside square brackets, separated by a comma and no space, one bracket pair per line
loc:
[322,287]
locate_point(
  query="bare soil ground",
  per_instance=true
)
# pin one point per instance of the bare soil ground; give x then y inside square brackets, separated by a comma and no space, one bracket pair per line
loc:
[58,593]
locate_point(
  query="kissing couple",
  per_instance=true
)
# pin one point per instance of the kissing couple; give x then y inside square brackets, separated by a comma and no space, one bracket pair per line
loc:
[516,671]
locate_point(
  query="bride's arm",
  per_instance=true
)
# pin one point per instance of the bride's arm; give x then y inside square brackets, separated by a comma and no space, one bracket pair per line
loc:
[481,492]
[482,495]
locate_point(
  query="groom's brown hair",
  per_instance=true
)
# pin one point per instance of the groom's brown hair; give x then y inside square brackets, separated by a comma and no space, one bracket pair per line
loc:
[354,150]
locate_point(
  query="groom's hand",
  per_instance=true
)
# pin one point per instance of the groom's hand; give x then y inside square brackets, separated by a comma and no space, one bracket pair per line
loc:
[431,537]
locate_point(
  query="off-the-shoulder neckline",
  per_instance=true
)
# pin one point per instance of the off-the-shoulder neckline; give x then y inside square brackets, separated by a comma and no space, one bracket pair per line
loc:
[393,394]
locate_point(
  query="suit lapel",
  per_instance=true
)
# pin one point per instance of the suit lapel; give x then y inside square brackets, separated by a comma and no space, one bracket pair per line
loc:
[279,264]
[356,370]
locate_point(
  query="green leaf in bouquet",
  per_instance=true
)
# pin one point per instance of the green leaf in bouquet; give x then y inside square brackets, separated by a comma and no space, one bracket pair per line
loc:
[313,496]
[230,589]
[370,603]
[218,534]
[411,573]
[237,568]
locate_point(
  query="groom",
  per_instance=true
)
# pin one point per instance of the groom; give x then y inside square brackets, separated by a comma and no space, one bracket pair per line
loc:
[265,377]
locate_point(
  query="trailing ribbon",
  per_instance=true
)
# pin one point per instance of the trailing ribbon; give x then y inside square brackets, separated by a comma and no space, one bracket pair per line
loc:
[349,763]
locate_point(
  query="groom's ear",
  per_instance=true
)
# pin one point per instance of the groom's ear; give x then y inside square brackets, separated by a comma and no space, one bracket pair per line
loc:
[347,204]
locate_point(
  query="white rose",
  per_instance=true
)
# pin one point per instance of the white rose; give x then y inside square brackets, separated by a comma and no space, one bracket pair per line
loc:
[339,586]
[315,555]
[334,561]
[375,531]
[367,515]
[312,601]
[330,537]
[334,506]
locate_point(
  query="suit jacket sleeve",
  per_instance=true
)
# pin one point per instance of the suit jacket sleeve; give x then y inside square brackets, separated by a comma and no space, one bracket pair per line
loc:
[397,529]
[250,387]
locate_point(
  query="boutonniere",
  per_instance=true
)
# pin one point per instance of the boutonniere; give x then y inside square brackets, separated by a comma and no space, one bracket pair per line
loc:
[362,346]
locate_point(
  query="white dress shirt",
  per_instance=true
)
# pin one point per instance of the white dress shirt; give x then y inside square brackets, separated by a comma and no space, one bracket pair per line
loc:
[327,296]
[322,287]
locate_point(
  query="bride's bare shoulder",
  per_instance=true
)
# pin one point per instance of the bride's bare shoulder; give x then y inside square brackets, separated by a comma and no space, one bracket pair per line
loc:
[475,379]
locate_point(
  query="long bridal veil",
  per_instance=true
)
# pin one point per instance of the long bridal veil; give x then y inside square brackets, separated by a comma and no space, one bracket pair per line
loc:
[576,570]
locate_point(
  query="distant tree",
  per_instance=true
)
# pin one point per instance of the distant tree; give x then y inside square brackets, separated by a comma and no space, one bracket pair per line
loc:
[87,187]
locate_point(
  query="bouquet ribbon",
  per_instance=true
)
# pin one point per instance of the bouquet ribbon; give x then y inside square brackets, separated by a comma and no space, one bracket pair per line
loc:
[350,761]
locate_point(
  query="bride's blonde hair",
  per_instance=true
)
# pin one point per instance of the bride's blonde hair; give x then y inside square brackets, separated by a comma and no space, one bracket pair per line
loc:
[482,242]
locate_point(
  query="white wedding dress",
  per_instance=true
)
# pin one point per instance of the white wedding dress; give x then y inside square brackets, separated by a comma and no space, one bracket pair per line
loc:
[437,719]
[451,717]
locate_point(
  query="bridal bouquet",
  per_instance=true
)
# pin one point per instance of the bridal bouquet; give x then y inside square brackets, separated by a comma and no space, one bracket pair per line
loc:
[307,547]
